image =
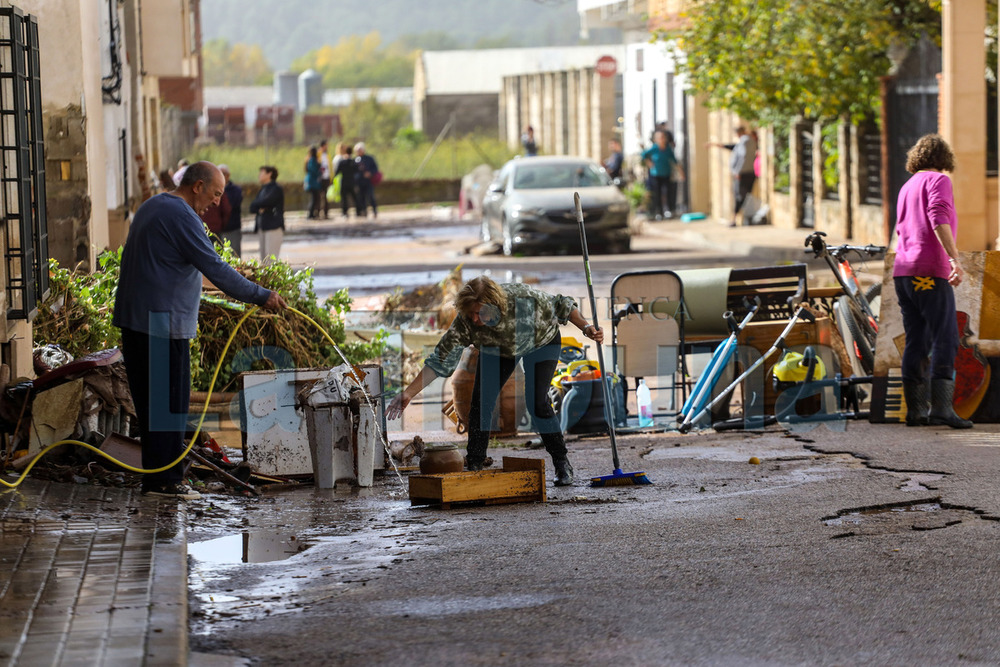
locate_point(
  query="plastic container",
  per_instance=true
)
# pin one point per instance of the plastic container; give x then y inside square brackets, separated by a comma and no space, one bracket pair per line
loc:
[645,402]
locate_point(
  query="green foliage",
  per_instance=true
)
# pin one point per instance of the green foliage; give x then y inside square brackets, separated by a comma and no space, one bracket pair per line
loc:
[228,64]
[831,156]
[372,121]
[782,157]
[298,344]
[409,138]
[360,62]
[454,158]
[773,60]
[636,195]
[77,316]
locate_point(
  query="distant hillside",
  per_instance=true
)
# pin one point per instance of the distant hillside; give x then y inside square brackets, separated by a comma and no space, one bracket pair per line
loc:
[290,28]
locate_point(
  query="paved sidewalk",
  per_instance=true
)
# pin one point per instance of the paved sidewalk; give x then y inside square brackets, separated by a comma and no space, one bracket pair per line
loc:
[91,576]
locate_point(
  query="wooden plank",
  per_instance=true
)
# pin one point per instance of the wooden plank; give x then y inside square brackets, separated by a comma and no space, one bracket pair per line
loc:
[488,484]
[426,486]
[521,480]
[537,465]
[512,463]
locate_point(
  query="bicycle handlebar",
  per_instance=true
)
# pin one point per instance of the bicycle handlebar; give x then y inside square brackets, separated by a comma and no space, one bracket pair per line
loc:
[818,247]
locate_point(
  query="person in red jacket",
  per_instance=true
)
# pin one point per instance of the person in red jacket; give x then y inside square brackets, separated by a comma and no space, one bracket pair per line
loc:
[217,215]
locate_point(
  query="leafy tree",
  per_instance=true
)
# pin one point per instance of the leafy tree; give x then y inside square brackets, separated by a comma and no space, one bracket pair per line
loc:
[360,62]
[234,65]
[772,60]
[373,121]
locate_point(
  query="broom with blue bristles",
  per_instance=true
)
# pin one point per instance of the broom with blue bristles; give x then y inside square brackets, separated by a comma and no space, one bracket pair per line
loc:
[617,478]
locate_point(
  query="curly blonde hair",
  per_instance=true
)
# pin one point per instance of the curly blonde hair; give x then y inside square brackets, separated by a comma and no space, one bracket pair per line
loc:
[480,290]
[930,152]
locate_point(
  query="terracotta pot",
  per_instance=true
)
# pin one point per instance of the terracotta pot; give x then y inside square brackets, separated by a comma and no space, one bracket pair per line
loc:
[438,459]
[506,417]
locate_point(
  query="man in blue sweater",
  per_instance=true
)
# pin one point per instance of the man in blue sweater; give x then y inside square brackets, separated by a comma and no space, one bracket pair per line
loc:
[156,307]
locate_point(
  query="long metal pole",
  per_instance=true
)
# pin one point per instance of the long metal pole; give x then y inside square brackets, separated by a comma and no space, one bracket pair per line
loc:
[608,410]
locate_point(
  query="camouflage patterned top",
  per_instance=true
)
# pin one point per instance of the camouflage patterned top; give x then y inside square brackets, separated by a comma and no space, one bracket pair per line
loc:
[532,319]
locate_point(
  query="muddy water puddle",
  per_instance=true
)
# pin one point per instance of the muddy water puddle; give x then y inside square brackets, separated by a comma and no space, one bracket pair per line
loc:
[247,547]
[858,517]
[250,559]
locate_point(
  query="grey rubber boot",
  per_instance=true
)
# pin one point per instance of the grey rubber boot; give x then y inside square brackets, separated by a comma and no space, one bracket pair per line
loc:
[917,406]
[564,472]
[942,411]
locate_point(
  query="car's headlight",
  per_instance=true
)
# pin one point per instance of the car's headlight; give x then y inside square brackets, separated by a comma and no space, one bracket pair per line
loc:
[618,208]
[527,212]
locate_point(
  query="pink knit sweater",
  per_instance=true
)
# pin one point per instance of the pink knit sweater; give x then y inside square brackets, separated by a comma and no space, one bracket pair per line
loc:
[925,203]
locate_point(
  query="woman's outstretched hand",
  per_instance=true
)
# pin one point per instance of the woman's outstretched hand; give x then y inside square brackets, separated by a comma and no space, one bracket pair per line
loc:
[396,406]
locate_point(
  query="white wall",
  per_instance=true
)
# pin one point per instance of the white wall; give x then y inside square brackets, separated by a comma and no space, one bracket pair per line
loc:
[116,116]
[166,37]
[70,43]
[646,90]
[60,42]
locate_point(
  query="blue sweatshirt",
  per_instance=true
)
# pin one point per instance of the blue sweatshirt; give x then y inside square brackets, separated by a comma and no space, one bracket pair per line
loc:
[166,253]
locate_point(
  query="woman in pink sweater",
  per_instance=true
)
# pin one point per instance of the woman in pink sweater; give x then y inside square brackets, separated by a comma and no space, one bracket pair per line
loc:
[925,272]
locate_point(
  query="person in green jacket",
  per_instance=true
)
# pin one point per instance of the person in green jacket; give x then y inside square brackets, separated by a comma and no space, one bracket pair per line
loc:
[661,161]
[507,323]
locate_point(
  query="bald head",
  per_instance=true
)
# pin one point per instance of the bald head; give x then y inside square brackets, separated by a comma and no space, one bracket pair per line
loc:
[201,186]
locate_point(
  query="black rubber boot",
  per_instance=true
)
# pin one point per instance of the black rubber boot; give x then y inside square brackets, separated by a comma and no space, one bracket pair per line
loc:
[564,472]
[475,465]
[942,411]
[917,406]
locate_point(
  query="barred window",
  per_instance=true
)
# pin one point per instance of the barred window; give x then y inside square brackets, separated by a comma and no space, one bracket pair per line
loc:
[22,166]
[870,163]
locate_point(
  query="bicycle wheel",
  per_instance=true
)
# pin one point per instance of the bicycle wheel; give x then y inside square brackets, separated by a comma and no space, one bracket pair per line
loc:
[873,295]
[873,292]
[858,327]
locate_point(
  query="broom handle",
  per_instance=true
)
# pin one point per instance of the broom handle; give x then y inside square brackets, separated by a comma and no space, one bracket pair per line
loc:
[608,410]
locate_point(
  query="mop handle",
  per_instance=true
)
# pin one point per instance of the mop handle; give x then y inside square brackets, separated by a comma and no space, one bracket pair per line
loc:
[778,344]
[608,411]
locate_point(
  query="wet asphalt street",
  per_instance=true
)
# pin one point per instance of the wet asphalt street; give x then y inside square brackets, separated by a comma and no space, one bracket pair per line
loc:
[870,545]
[848,544]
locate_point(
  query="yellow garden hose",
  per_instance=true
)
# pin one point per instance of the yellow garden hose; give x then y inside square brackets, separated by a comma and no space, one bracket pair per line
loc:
[201,420]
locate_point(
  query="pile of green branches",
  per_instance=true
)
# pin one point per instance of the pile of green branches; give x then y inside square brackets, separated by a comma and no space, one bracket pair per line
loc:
[77,317]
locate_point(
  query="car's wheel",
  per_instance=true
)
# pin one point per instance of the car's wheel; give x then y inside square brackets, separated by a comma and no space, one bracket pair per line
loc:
[508,240]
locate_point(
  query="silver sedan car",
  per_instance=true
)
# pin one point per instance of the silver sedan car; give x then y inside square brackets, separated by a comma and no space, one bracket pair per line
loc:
[529,205]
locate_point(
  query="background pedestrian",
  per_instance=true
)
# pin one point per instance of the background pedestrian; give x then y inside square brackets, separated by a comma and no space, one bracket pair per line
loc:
[347,169]
[269,205]
[365,180]
[233,229]
[324,177]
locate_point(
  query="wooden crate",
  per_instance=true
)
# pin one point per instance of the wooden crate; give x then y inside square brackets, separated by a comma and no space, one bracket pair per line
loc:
[521,480]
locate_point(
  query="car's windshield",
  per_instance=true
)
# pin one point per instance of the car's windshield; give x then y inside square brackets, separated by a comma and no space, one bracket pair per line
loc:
[568,175]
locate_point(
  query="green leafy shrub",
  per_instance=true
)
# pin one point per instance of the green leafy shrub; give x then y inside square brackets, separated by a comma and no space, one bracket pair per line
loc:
[409,138]
[77,316]
[636,195]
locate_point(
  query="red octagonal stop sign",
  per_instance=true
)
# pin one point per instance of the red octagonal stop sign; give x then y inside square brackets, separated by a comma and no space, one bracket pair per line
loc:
[607,66]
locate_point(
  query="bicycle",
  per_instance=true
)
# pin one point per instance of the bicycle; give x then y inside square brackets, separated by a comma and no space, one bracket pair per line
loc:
[854,309]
